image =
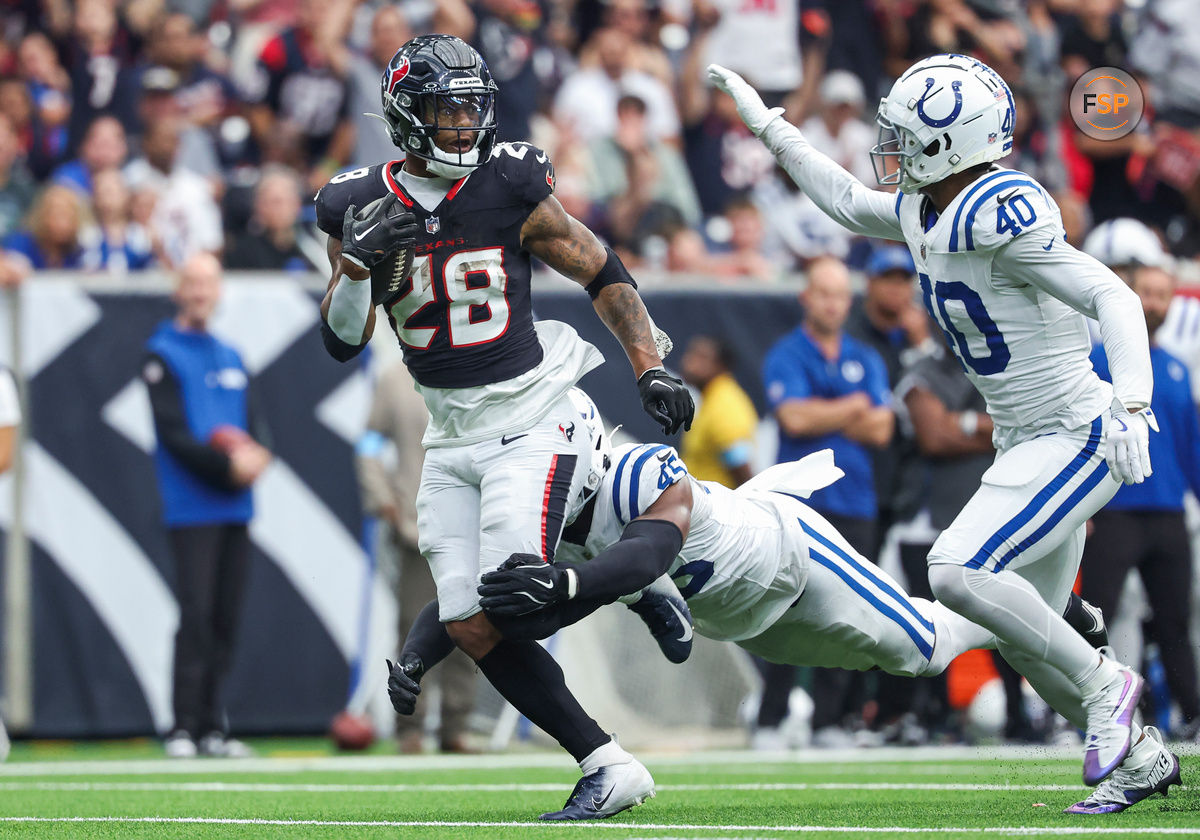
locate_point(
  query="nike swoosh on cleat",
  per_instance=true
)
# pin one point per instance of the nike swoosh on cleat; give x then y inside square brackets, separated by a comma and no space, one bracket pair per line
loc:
[597,804]
[506,440]
[687,625]
[358,236]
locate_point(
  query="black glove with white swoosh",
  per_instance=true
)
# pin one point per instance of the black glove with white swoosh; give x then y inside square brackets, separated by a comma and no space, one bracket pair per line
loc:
[666,399]
[524,584]
[378,230]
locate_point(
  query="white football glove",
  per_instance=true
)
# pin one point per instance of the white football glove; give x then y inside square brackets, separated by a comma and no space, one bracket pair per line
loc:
[751,109]
[1127,449]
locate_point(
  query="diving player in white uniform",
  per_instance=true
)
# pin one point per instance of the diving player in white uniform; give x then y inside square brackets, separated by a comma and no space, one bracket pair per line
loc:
[1010,296]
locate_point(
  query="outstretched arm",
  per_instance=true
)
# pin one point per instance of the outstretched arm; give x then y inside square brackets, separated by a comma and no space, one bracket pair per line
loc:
[566,245]
[839,194]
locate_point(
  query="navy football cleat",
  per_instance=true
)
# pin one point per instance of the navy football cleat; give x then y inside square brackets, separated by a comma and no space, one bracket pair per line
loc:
[669,621]
[610,790]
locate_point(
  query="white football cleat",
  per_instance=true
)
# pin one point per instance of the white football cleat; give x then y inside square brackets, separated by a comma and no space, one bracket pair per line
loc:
[179,744]
[610,790]
[1149,768]
[218,745]
[1110,713]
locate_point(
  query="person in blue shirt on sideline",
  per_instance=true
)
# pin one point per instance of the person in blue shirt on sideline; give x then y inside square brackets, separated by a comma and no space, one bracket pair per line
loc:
[1143,526]
[206,460]
[830,391]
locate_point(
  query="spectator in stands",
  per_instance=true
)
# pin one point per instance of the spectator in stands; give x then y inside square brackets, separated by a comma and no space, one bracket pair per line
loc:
[270,242]
[388,480]
[724,158]
[511,35]
[52,238]
[838,129]
[830,391]
[745,259]
[208,456]
[686,252]
[41,146]
[115,243]
[101,61]
[160,101]
[185,219]
[389,32]
[720,444]
[204,96]
[17,187]
[103,147]
[615,161]
[587,99]
[301,113]
[1143,526]
[49,84]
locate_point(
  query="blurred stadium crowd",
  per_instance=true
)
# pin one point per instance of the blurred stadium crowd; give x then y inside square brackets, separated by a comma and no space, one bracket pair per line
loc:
[134,133]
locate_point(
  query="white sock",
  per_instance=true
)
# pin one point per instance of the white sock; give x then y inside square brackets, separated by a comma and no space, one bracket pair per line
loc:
[610,753]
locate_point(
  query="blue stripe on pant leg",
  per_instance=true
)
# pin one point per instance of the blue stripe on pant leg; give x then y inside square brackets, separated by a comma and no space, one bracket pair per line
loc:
[913,633]
[1066,507]
[1008,529]
[849,560]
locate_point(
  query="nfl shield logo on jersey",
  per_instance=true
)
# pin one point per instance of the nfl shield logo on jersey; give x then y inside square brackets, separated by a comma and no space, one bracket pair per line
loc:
[433,224]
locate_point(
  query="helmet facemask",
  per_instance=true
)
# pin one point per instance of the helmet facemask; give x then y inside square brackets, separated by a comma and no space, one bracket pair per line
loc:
[417,124]
[893,153]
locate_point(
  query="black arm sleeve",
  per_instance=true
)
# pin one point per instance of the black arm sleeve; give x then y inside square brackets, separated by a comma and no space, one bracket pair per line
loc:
[428,638]
[170,424]
[542,624]
[337,348]
[639,558]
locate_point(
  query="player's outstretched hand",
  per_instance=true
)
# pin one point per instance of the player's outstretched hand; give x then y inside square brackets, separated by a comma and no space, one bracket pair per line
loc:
[378,230]
[523,585]
[667,400]
[1127,450]
[751,109]
[403,687]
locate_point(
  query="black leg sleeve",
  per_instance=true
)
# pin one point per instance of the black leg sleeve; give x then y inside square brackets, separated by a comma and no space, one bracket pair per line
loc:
[529,678]
[545,623]
[428,638]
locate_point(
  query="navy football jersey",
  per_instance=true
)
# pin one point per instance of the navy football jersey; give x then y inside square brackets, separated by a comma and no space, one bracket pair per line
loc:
[464,316]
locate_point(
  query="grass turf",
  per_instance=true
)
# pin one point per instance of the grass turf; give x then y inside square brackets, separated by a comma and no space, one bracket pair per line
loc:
[703,795]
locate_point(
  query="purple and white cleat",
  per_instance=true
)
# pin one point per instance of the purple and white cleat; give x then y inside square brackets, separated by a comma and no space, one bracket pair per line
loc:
[1110,713]
[1149,768]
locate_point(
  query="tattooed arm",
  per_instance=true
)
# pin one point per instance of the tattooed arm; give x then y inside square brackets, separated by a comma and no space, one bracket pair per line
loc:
[566,245]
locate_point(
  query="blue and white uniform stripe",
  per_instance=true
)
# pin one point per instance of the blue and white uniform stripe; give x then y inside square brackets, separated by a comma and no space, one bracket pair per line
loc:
[627,481]
[1062,494]
[872,587]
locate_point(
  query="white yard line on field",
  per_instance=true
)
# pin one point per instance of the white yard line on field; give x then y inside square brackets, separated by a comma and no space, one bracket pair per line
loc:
[756,761]
[249,787]
[763,829]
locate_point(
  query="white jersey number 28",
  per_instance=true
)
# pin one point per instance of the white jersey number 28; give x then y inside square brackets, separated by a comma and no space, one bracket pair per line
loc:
[476,306]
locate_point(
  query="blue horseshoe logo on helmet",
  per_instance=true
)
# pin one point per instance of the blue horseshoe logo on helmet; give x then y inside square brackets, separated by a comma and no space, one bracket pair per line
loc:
[949,118]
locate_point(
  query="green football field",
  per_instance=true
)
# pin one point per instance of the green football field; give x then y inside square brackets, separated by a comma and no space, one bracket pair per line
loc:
[293,791]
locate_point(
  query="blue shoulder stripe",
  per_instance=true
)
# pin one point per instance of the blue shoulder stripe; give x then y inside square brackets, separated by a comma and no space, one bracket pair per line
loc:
[899,195]
[967,198]
[635,475]
[979,202]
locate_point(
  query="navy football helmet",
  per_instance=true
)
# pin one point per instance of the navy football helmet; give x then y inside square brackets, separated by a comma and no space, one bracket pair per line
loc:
[428,86]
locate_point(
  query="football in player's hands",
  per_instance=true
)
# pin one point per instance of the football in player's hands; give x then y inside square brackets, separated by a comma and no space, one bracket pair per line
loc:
[379,230]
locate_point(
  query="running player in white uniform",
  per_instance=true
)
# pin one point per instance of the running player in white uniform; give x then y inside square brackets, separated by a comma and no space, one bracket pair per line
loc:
[1010,295]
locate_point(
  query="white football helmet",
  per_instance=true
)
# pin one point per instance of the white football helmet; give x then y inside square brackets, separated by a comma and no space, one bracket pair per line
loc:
[945,114]
[601,452]
[1119,243]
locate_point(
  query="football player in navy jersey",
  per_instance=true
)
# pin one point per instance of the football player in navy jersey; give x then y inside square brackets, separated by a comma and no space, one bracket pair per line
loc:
[443,240]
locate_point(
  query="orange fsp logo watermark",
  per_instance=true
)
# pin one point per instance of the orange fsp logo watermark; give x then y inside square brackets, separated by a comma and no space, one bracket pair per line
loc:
[1107,103]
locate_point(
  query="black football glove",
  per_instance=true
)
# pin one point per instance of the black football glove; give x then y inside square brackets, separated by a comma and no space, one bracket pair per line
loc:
[403,679]
[523,584]
[380,229]
[667,400]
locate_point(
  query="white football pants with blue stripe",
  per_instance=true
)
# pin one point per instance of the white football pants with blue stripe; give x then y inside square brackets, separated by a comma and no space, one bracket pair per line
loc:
[1009,560]
[852,614]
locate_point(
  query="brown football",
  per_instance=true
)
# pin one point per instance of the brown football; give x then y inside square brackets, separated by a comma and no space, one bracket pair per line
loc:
[351,732]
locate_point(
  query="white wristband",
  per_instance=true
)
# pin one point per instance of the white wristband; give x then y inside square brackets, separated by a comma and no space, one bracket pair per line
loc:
[572,584]
[348,309]
[968,421]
